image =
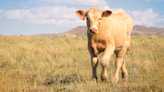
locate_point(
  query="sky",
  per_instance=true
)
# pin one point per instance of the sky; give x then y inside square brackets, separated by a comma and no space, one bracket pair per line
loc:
[30,17]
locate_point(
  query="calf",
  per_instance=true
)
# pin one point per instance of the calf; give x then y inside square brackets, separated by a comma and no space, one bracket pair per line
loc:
[109,33]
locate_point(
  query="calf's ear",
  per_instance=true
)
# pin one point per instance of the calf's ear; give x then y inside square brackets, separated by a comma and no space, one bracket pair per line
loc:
[106,13]
[81,14]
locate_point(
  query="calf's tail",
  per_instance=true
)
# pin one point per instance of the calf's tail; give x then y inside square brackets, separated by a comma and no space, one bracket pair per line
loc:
[128,50]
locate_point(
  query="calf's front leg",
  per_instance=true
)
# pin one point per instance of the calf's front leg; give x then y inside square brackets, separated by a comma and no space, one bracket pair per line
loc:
[105,60]
[94,64]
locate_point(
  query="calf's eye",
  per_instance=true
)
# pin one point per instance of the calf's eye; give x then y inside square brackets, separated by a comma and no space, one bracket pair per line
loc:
[99,18]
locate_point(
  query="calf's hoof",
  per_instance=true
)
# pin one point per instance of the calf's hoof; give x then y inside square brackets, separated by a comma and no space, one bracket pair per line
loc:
[115,80]
[94,80]
[104,78]
[124,76]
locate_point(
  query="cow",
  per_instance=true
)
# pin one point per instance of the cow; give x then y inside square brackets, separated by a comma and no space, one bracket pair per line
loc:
[107,32]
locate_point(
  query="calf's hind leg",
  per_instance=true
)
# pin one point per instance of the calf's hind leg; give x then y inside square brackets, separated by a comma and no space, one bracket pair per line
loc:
[120,63]
[124,71]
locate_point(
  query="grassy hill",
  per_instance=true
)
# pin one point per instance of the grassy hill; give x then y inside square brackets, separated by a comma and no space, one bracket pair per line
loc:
[61,63]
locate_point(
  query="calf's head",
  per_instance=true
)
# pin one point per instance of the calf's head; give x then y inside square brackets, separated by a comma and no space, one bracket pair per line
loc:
[93,17]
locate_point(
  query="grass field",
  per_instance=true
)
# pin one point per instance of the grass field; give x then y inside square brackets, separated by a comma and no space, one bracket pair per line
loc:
[50,64]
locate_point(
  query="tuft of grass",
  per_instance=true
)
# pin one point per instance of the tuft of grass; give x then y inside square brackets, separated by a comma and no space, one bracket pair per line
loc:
[48,64]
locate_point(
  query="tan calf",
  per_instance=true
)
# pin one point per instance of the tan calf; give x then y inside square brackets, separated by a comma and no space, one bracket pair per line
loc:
[109,33]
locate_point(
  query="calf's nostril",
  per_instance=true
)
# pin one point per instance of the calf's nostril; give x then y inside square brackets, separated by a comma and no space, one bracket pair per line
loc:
[90,30]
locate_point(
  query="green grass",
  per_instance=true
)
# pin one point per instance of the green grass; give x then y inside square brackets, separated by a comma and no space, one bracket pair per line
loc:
[48,64]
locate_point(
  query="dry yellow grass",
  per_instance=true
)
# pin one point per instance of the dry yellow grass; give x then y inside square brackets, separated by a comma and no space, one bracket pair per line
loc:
[48,64]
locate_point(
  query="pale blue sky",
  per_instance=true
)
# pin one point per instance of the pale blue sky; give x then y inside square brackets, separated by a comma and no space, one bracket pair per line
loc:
[30,17]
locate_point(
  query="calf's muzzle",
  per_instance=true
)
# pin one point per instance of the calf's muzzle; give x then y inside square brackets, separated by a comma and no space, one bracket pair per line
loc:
[93,30]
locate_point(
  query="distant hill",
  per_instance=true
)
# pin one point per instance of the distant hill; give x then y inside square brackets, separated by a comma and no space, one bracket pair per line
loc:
[137,30]
[46,35]
[77,30]
[1,35]
[143,30]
